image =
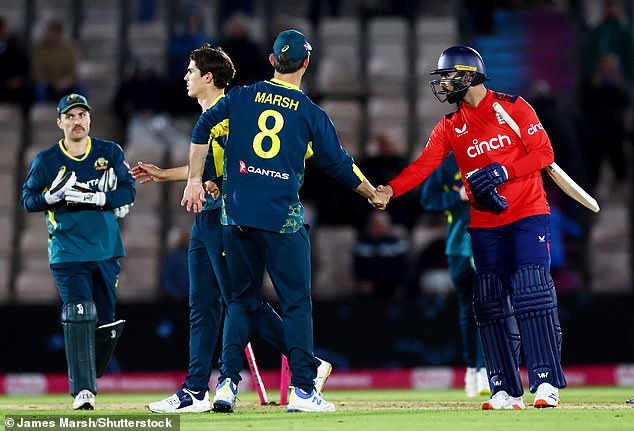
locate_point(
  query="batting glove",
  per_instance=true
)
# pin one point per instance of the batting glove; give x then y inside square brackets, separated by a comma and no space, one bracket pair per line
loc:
[62,183]
[483,181]
[492,201]
[90,198]
[122,211]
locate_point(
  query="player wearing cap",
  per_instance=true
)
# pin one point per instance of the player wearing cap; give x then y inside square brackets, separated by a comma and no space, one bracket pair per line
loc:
[82,184]
[510,226]
[208,73]
[273,127]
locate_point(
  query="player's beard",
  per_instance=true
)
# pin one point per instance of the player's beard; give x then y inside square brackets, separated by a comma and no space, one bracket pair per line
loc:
[456,96]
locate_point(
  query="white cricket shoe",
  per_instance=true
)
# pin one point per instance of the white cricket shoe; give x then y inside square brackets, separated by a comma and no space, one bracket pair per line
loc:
[323,372]
[503,401]
[546,396]
[226,395]
[183,401]
[312,402]
[482,382]
[85,400]
[471,382]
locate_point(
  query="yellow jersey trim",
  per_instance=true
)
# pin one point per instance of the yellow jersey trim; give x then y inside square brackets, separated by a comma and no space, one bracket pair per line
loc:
[358,172]
[78,159]
[285,84]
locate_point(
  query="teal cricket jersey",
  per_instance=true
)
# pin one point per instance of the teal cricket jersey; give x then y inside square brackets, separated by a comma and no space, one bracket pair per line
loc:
[79,234]
[214,163]
[273,127]
[438,195]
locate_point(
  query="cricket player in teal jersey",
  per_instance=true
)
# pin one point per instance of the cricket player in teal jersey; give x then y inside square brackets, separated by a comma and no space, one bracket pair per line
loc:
[208,73]
[273,127]
[443,191]
[83,184]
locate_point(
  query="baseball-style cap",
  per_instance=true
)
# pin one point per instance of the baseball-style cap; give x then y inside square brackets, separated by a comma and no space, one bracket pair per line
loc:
[293,44]
[70,101]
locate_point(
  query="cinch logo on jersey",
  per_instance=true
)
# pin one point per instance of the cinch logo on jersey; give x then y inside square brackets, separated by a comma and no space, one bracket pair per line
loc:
[482,147]
[244,169]
[534,128]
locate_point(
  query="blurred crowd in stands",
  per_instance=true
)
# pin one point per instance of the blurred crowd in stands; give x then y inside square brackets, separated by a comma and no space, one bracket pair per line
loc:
[586,128]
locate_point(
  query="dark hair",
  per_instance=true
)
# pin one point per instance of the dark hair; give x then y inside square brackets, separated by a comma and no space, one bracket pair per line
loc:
[214,60]
[283,64]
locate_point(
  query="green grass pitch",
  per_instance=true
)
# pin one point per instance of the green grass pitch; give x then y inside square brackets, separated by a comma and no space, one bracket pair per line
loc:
[592,408]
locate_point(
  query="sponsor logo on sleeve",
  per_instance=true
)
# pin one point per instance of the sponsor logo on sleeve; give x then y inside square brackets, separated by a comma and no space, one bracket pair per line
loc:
[534,128]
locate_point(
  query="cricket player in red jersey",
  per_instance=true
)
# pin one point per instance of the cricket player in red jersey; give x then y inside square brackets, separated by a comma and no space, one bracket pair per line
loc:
[514,297]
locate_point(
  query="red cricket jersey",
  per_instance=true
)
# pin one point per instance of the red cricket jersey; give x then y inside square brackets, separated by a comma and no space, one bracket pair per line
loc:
[479,137]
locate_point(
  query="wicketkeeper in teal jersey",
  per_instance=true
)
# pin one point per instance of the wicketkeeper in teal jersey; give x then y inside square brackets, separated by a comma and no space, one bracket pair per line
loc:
[273,127]
[83,184]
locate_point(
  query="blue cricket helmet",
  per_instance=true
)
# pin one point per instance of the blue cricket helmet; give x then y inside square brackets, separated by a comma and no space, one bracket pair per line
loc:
[469,68]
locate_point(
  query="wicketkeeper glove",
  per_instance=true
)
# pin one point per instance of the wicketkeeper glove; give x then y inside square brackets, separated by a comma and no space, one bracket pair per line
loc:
[61,185]
[483,181]
[122,211]
[492,201]
[85,197]
[108,181]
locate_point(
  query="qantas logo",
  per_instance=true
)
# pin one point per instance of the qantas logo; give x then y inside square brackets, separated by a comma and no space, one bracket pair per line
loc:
[481,147]
[244,169]
[534,128]
[462,131]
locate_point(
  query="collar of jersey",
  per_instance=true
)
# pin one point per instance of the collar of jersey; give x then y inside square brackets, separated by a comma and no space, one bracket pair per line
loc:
[284,84]
[79,159]
[484,102]
[216,100]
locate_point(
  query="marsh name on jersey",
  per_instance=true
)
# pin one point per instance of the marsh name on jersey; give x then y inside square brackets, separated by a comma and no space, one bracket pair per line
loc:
[276,99]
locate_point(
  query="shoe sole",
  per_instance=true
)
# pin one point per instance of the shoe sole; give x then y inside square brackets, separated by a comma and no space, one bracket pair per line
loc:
[541,404]
[85,406]
[296,410]
[188,409]
[222,407]
[488,406]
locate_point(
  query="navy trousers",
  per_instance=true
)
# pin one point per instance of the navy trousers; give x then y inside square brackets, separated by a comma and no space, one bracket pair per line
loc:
[286,257]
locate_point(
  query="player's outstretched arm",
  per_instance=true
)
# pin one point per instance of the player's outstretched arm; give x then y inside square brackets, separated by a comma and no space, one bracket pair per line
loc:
[148,172]
[194,193]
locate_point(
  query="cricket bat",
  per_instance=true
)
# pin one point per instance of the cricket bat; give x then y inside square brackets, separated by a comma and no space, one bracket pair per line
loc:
[559,176]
